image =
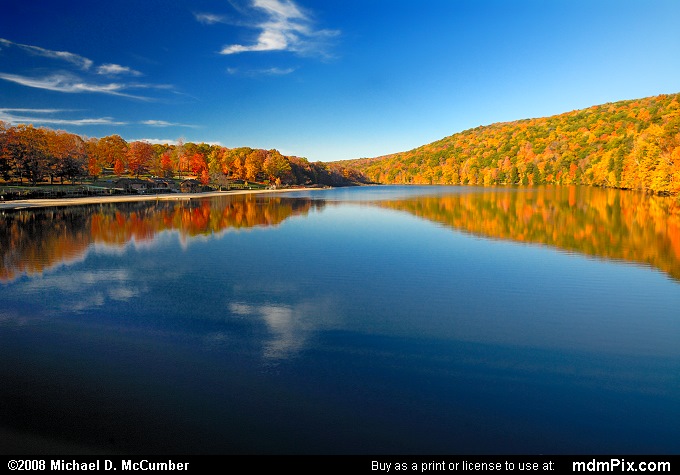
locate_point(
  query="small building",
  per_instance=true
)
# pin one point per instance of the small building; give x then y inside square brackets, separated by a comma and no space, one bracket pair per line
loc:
[190,185]
[134,185]
[163,185]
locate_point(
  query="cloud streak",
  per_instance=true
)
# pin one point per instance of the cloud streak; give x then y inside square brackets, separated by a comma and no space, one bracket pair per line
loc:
[284,27]
[209,18]
[63,82]
[116,70]
[163,123]
[82,77]
[46,116]
[169,142]
[76,60]
[260,72]
[51,117]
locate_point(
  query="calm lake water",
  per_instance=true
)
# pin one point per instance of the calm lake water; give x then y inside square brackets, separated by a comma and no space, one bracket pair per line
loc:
[371,320]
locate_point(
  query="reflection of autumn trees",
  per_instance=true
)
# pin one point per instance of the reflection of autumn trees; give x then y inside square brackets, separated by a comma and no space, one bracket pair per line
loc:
[606,223]
[33,241]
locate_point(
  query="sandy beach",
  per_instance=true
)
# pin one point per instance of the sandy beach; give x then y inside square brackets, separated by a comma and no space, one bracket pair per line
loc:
[52,202]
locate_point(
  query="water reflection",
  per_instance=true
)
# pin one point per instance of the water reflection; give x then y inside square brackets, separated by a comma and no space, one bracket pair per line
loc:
[356,329]
[606,223]
[610,224]
[289,326]
[32,241]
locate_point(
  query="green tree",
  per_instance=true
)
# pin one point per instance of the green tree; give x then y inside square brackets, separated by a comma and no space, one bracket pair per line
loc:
[276,166]
[514,176]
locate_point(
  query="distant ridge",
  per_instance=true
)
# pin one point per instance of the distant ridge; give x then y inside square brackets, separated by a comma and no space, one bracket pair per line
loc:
[632,144]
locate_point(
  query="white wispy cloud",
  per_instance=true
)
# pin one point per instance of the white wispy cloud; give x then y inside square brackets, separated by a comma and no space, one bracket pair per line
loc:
[170,141]
[156,141]
[52,117]
[116,69]
[284,27]
[47,116]
[164,123]
[209,18]
[76,60]
[157,123]
[260,72]
[80,77]
[70,83]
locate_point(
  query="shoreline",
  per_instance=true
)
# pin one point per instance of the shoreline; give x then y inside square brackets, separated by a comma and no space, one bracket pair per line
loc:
[87,200]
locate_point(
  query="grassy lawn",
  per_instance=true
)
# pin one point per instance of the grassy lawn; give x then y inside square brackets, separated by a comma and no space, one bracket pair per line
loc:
[108,186]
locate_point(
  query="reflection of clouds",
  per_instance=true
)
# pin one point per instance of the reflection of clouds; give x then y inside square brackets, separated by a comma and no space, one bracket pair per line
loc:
[122,293]
[95,300]
[241,309]
[75,281]
[290,326]
[288,329]
[184,239]
[217,339]
[81,291]
[272,288]
[106,249]
[12,318]
[135,243]
[187,239]
[13,264]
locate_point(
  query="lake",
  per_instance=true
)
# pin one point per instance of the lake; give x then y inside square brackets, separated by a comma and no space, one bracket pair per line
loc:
[368,320]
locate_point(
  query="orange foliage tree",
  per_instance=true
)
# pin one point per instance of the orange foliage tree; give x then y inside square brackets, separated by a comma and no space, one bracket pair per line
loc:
[139,157]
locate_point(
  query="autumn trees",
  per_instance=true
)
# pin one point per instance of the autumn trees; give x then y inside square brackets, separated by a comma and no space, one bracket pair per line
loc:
[108,152]
[276,167]
[24,152]
[29,154]
[631,144]
[67,155]
[628,144]
[5,156]
[139,156]
[33,154]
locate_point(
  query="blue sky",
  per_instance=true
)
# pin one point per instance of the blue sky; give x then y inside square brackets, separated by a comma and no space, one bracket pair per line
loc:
[326,80]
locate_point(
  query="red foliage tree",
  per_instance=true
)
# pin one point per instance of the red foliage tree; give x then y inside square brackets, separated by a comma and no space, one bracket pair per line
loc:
[197,163]
[139,157]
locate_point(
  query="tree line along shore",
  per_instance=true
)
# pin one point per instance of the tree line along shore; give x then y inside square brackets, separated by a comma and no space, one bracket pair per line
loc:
[37,162]
[632,144]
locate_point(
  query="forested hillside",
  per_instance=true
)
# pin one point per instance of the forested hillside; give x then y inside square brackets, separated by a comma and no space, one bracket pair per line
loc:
[632,144]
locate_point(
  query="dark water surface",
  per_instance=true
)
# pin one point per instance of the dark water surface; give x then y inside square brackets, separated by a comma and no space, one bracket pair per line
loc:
[372,320]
